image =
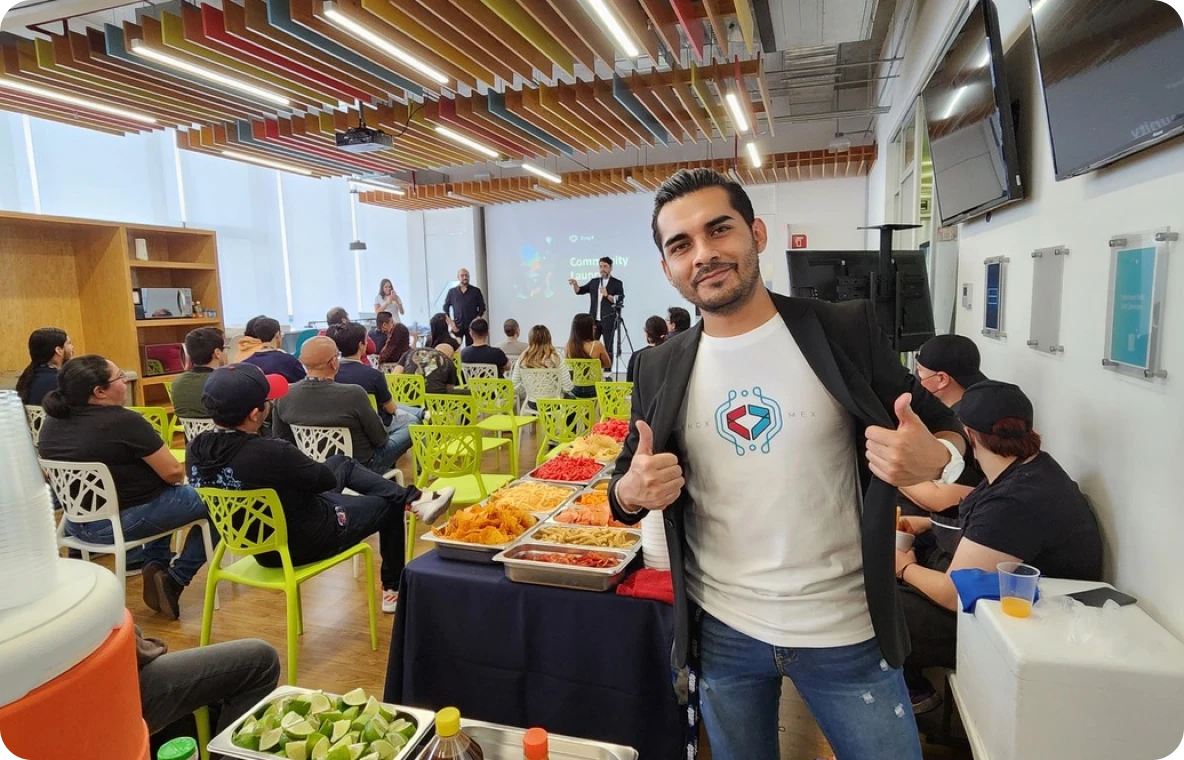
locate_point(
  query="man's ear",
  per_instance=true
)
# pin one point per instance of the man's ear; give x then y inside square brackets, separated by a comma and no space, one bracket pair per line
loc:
[760,235]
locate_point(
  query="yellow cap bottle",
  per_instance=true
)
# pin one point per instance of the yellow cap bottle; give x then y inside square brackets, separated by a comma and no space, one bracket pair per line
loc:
[448,722]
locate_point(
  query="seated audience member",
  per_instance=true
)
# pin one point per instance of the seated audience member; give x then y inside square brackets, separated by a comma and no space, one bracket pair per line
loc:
[339,316]
[678,320]
[582,344]
[87,422]
[1027,510]
[438,370]
[260,345]
[229,678]
[438,336]
[398,343]
[206,348]
[322,521]
[655,335]
[946,366]
[481,352]
[355,371]
[49,349]
[383,323]
[319,400]
[512,347]
[541,354]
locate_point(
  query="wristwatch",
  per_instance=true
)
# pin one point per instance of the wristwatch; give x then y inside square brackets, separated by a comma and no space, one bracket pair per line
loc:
[953,469]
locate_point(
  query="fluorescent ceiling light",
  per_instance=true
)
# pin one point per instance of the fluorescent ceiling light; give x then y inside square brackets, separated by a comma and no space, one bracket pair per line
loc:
[467,142]
[614,27]
[398,53]
[465,198]
[542,173]
[754,156]
[547,191]
[630,180]
[266,162]
[61,97]
[737,112]
[957,96]
[144,51]
[361,183]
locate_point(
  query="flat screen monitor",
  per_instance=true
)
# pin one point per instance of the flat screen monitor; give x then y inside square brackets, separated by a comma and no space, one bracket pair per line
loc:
[906,315]
[1113,76]
[969,120]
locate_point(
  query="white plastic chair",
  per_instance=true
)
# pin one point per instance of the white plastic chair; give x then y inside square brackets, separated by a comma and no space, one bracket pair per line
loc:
[388,368]
[36,417]
[86,493]
[540,383]
[471,370]
[191,427]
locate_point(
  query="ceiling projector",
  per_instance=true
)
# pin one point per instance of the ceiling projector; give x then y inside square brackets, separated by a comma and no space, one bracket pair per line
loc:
[363,139]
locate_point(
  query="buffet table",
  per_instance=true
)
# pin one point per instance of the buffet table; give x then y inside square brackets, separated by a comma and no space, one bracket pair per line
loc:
[594,665]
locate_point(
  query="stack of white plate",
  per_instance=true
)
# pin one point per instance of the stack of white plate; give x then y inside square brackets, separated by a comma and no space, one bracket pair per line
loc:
[653,542]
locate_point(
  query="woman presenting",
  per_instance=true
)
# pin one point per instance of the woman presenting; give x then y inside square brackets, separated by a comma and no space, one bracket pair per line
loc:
[388,300]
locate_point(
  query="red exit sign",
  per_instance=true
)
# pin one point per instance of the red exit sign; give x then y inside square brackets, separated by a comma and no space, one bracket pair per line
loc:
[798,241]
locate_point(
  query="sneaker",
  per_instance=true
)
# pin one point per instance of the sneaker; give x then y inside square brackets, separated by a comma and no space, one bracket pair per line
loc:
[390,601]
[168,593]
[432,504]
[924,699]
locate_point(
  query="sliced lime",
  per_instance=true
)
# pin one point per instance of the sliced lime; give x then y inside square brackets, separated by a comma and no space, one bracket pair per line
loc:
[300,706]
[296,751]
[372,708]
[384,749]
[319,703]
[356,750]
[291,719]
[340,729]
[351,712]
[357,697]
[321,750]
[396,739]
[270,739]
[302,730]
[246,741]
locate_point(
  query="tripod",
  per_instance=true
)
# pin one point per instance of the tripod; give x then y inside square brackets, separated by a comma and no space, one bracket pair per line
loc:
[619,329]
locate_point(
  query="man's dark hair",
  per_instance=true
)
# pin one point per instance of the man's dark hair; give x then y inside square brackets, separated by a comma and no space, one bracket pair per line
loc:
[510,328]
[479,327]
[606,260]
[337,316]
[679,317]
[348,337]
[383,318]
[201,344]
[687,181]
[262,328]
[77,380]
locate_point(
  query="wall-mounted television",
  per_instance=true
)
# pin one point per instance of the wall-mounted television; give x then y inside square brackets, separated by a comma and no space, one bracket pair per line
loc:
[969,119]
[1113,76]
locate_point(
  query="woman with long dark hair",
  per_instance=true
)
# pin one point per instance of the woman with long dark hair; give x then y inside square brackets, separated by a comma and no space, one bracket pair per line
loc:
[87,422]
[49,349]
[438,336]
[398,343]
[582,344]
[655,335]
[388,300]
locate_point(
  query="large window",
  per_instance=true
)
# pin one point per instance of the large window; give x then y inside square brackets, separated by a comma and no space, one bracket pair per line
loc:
[317,225]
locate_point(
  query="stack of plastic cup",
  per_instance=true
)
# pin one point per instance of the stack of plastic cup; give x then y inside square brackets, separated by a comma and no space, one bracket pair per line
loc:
[653,542]
[28,548]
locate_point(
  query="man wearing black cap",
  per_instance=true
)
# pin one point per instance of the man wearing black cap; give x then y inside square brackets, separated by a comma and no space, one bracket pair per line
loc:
[1027,510]
[322,521]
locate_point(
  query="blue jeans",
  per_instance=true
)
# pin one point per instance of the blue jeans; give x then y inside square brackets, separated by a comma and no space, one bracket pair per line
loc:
[399,442]
[861,704]
[177,506]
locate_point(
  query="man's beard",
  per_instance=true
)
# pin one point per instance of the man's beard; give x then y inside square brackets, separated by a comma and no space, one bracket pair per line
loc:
[724,301]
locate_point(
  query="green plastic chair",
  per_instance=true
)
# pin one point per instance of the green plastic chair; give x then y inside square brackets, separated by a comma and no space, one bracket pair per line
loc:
[495,400]
[373,401]
[160,419]
[562,420]
[614,401]
[585,371]
[450,456]
[250,523]
[461,410]
[407,389]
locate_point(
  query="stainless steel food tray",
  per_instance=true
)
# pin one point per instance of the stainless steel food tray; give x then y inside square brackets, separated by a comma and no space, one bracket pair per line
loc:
[221,744]
[466,552]
[505,743]
[521,569]
[578,483]
[529,536]
[575,488]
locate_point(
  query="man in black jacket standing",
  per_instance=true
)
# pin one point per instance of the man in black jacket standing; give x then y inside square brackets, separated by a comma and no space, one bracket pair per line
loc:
[770,435]
[462,305]
[604,293]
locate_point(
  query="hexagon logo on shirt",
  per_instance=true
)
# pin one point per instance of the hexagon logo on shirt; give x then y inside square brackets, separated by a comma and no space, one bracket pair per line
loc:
[749,420]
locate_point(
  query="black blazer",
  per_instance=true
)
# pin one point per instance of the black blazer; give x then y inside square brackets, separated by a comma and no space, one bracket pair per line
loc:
[592,287]
[851,356]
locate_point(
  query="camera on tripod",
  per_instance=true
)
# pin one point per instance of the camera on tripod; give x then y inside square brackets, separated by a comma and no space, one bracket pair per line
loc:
[618,304]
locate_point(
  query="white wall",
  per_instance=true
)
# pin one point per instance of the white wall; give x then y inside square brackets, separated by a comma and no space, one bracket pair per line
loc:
[1116,436]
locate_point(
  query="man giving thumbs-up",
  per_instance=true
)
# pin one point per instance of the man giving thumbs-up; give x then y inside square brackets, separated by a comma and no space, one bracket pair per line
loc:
[771,435]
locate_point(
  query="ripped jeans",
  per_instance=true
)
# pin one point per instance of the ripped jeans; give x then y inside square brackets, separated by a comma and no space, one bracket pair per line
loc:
[861,704]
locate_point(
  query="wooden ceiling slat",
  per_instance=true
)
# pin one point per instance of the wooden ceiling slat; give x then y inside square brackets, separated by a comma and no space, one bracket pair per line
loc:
[692,27]
[649,100]
[525,102]
[527,144]
[19,102]
[763,86]
[746,21]
[589,32]
[530,30]
[631,14]
[548,101]
[708,101]
[443,113]
[418,140]
[602,97]
[550,19]
[694,108]
[664,94]
[715,17]
[480,15]
[567,97]
[446,21]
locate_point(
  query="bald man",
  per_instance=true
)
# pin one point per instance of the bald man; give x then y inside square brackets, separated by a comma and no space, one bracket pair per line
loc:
[319,400]
[462,305]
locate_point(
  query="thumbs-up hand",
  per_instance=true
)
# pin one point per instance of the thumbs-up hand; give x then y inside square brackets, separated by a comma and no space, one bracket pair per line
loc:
[654,480]
[908,455]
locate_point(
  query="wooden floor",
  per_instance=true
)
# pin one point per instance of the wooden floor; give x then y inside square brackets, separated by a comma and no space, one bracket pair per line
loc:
[335,652]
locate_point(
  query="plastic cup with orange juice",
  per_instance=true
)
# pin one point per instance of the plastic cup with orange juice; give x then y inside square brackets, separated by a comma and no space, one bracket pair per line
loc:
[1017,588]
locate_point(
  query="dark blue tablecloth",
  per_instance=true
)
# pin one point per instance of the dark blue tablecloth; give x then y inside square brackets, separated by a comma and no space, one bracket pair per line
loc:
[579,663]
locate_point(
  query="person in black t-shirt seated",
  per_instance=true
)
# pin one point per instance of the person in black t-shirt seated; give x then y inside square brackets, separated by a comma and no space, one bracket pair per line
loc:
[480,352]
[87,422]
[1028,510]
[384,322]
[49,349]
[354,370]
[322,521]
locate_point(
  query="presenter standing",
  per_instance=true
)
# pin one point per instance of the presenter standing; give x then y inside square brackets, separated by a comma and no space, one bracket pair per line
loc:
[603,292]
[462,305]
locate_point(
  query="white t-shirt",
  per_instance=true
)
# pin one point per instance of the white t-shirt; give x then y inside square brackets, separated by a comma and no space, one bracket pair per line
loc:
[393,309]
[773,533]
[599,299]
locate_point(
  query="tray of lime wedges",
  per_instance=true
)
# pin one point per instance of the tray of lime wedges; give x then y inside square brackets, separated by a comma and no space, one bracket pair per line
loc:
[304,724]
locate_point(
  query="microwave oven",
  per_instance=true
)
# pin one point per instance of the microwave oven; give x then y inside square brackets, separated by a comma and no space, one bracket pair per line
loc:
[163,303]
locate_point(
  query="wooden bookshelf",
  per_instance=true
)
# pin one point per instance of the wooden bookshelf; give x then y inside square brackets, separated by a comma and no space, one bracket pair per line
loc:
[78,274]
